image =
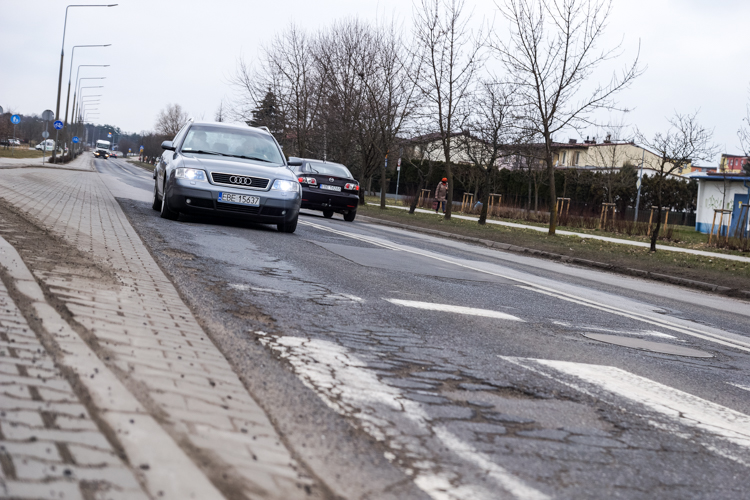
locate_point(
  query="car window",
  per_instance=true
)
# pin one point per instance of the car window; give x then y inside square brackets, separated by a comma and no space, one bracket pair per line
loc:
[180,134]
[223,141]
[336,169]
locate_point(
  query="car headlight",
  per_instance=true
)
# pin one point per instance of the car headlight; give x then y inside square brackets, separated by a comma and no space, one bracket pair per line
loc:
[281,185]
[192,174]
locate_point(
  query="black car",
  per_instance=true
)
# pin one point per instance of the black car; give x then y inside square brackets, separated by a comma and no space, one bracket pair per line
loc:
[329,187]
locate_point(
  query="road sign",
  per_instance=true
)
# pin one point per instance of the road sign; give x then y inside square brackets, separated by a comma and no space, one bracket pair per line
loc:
[129,150]
[15,119]
[58,125]
[48,115]
[45,134]
[75,139]
[141,148]
[109,134]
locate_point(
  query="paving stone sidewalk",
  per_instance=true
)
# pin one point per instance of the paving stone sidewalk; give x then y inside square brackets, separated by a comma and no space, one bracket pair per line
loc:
[150,338]
[49,445]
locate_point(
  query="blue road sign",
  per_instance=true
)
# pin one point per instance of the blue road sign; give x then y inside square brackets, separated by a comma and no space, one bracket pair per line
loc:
[109,134]
[75,139]
[15,119]
[141,148]
[58,125]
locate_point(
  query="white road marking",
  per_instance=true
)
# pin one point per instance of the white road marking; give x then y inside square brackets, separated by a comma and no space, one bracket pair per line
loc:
[741,386]
[729,340]
[470,311]
[344,383]
[682,408]
[648,333]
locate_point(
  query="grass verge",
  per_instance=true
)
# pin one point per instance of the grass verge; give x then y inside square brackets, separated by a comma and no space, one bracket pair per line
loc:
[22,152]
[141,164]
[683,236]
[711,270]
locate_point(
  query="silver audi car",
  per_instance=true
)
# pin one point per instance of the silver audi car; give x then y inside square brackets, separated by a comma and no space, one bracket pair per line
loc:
[227,170]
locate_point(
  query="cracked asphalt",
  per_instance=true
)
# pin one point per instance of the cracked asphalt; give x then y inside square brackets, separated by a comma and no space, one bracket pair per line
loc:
[382,358]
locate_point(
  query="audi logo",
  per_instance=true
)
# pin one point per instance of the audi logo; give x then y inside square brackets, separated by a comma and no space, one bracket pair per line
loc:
[240,180]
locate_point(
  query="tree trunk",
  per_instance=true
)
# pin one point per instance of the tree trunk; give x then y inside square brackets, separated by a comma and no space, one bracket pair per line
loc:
[528,200]
[536,196]
[485,197]
[383,186]
[552,195]
[449,194]
[655,234]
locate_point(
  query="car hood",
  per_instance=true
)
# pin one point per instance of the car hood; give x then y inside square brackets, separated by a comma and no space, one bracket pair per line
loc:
[238,166]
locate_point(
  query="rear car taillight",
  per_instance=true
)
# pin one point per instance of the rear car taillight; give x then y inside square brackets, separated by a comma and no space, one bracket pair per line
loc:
[352,186]
[308,180]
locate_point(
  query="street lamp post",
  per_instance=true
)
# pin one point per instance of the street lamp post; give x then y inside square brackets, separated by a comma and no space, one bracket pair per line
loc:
[70,73]
[89,78]
[80,90]
[62,57]
[77,73]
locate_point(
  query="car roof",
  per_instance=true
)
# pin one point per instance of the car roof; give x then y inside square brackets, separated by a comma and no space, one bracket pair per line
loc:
[242,126]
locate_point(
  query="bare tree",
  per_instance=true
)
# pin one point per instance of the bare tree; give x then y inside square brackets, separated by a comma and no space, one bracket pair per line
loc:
[683,143]
[170,120]
[287,71]
[552,52]
[451,57]
[392,92]
[220,115]
[489,133]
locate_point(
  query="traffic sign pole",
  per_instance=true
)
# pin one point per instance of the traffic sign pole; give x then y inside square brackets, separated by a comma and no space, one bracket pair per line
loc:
[15,119]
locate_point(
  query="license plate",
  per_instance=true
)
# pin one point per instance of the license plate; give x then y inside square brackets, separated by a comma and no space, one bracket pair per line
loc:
[330,188]
[239,199]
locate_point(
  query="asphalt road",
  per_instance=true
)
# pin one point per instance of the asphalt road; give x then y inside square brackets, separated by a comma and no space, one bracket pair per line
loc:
[397,364]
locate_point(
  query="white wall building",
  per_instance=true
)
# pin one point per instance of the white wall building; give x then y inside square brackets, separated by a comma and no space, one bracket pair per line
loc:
[720,191]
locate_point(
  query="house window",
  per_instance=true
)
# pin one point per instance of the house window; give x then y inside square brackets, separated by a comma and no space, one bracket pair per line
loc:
[577,158]
[564,157]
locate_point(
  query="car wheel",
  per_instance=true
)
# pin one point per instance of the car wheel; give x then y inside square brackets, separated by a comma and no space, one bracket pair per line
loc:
[327,214]
[156,205]
[287,227]
[350,215]
[166,213]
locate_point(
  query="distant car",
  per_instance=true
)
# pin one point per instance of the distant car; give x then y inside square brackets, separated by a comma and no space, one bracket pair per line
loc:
[227,170]
[329,187]
[47,145]
[113,154]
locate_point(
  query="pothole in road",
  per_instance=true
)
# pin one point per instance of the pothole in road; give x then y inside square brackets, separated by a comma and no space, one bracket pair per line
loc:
[648,345]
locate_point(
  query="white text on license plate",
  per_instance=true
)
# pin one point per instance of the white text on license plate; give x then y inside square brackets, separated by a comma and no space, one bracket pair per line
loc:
[240,199]
[330,188]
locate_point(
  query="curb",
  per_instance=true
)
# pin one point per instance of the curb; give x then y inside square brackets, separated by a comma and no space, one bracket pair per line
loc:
[674,280]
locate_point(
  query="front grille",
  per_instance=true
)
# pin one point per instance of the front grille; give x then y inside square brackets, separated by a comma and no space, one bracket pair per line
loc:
[231,207]
[240,180]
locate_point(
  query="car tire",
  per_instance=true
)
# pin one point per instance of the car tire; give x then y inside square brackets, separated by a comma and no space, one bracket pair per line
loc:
[350,215]
[156,205]
[327,214]
[288,227]
[165,212]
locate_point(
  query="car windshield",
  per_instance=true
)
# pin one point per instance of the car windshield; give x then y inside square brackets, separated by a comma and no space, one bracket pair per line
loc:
[335,169]
[237,143]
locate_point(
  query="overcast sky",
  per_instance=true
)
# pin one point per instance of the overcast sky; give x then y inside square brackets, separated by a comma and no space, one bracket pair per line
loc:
[169,51]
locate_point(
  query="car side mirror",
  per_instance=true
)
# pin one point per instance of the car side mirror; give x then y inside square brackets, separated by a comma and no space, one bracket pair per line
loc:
[294,161]
[168,145]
